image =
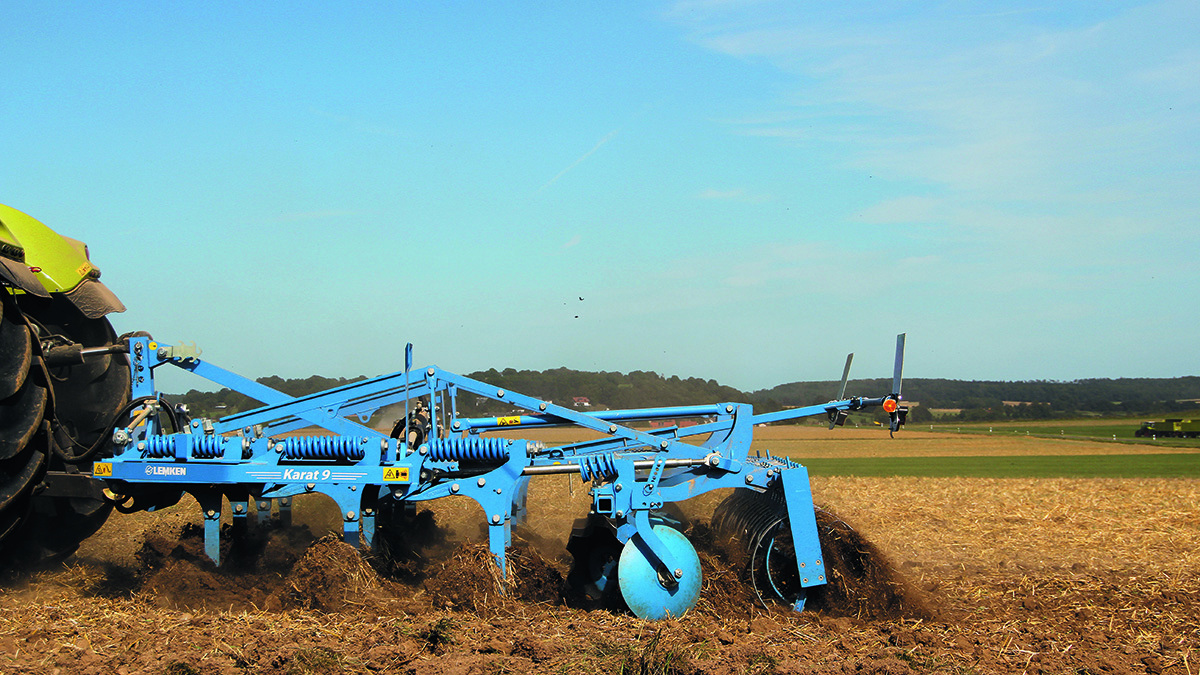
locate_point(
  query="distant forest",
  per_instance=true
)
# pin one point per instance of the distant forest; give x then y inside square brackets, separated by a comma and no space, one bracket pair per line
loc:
[932,399]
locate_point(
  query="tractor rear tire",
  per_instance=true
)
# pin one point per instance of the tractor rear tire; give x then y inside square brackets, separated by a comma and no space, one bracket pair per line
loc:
[71,407]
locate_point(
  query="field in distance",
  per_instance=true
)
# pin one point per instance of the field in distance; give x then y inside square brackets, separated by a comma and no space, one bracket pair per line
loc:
[1005,451]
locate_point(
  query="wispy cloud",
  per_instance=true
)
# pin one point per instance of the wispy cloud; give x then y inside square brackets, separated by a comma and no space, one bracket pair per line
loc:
[1013,112]
[611,135]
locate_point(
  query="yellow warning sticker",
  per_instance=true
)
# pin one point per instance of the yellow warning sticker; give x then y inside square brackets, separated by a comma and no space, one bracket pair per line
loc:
[101,469]
[84,269]
[395,474]
[508,421]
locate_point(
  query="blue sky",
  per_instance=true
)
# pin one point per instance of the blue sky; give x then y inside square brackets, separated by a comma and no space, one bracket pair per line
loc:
[737,190]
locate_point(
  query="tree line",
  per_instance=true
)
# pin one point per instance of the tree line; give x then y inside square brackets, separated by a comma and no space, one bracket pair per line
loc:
[955,399]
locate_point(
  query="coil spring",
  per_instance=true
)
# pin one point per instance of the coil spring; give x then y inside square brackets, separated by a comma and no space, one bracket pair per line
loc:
[471,448]
[325,447]
[598,466]
[207,447]
[200,447]
[158,447]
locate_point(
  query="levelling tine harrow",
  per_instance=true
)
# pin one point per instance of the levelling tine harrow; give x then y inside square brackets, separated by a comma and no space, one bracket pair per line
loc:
[634,473]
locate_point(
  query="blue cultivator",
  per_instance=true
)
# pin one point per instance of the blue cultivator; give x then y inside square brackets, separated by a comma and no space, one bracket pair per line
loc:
[634,472]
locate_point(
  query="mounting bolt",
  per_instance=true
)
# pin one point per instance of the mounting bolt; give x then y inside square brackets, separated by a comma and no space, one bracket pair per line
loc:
[454,488]
[728,408]
[663,445]
[612,428]
[619,514]
[457,424]
[499,393]
[678,573]
[806,580]
[803,565]
[239,508]
[542,406]
[310,487]
[482,481]
[210,513]
[618,487]
[821,578]
[818,562]
[423,450]
[430,371]
[195,423]
[496,519]
[749,479]
[349,515]
[354,488]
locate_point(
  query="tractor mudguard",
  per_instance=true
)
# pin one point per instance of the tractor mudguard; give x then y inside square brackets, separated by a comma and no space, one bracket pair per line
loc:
[37,260]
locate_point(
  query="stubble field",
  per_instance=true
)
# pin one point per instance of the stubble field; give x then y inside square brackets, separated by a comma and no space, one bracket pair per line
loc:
[1007,575]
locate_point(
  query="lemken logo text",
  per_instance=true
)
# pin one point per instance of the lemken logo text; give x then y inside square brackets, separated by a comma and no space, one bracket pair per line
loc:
[154,470]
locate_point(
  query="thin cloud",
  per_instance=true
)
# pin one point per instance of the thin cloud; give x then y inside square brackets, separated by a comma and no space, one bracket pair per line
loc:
[612,134]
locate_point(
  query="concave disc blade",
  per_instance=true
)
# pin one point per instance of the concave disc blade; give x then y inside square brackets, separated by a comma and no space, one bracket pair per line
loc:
[646,596]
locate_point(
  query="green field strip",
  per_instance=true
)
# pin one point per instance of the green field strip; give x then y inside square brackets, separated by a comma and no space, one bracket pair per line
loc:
[1024,466]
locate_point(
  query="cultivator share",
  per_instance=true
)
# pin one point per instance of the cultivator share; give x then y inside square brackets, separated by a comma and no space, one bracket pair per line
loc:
[75,387]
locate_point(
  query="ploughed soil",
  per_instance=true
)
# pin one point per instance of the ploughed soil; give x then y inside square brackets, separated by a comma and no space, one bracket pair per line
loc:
[927,575]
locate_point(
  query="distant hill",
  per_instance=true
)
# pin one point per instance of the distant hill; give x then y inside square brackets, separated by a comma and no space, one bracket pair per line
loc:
[962,399]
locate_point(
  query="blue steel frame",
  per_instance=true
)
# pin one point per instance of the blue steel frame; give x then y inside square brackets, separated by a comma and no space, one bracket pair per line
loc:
[252,455]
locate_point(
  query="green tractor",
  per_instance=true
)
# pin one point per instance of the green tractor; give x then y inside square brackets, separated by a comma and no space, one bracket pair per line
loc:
[64,379]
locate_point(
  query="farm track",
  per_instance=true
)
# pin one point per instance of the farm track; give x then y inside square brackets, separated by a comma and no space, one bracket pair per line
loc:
[1051,575]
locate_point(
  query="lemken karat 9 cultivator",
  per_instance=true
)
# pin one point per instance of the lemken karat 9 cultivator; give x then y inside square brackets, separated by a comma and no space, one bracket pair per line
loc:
[628,543]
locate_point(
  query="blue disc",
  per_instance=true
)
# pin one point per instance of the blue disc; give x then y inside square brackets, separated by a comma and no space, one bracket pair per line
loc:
[641,587]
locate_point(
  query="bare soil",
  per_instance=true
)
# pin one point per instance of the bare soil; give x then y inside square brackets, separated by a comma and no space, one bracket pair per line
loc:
[972,576]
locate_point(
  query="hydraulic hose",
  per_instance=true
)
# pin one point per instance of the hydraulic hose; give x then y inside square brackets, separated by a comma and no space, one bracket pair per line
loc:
[90,452]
